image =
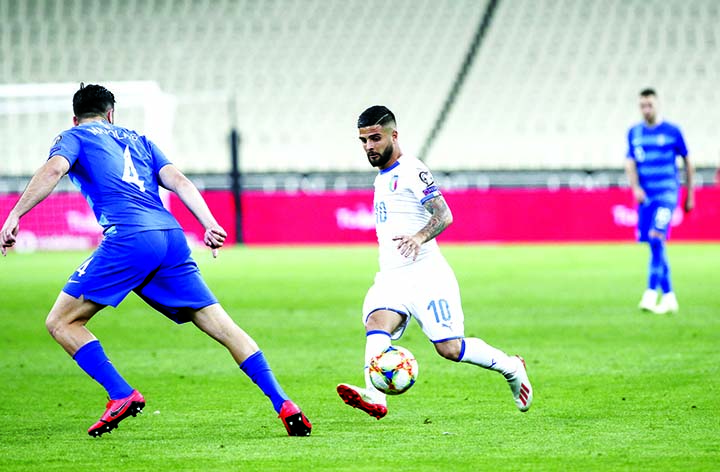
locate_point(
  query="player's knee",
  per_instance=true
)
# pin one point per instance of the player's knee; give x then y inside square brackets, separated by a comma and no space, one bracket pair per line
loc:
[449,349]
[383,320]
[53,323]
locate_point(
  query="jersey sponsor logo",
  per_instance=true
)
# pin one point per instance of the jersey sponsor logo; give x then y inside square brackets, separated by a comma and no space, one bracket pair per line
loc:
[394,183]
[661,139]
[426,178]
[57,140]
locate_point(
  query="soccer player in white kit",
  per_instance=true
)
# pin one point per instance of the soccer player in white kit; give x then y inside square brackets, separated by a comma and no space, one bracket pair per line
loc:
[414,279]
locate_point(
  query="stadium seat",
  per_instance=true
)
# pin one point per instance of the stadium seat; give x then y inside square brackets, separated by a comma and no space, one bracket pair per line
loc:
[554,84]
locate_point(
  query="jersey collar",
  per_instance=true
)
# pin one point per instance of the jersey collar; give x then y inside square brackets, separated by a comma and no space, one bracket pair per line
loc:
[385,171]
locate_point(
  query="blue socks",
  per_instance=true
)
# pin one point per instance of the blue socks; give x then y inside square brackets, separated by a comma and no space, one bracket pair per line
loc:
[659,266]
[92,359]
[257,368]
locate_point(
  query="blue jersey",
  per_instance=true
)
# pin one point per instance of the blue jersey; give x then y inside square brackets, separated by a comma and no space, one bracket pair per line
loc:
[116,170]
[654,151]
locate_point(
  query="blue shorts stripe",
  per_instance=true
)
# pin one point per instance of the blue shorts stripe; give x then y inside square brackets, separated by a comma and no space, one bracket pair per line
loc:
[447,339]
[377,331]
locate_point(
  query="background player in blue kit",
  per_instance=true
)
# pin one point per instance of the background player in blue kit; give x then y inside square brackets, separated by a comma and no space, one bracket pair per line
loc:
[653,148]
[143,250]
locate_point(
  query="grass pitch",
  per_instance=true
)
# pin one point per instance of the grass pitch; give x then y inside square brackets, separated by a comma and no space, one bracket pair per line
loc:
[615,389]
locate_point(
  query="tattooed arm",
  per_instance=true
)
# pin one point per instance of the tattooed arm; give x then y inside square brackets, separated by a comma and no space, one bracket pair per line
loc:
[440,218]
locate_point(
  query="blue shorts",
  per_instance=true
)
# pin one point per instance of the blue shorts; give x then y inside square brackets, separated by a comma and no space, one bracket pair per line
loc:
[154,264]
[656,216]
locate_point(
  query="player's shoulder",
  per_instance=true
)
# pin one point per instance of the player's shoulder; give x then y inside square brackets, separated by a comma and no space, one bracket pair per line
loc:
[636,128]
[671,126]
[411,165]
[63,139]
[417,174]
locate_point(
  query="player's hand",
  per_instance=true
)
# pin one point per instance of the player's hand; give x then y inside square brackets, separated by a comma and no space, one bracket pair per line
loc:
[639,195]
[214,238]
[409,246]
[8,233]
[689,202]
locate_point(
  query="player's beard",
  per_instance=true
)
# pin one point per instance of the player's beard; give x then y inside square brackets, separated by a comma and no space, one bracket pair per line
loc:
[382,159]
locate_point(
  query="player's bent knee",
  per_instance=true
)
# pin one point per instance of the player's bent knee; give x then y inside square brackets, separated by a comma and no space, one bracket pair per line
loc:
[52,323]
[383,320]
[449,349]
[68,311]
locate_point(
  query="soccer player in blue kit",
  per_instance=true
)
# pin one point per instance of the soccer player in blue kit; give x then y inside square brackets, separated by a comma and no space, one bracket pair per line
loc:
[653,148]
[143,250]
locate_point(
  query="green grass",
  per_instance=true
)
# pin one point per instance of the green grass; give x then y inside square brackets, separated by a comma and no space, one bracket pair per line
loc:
[615,389]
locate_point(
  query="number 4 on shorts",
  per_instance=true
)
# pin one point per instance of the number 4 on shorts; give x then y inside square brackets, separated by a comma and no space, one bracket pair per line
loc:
[83,267]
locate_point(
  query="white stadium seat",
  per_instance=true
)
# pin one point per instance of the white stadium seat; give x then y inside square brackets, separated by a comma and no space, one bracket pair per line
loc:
[554,85]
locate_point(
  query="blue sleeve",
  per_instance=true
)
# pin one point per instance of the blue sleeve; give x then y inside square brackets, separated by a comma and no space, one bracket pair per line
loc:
[681,148]
[158,157]
[67,146]
[631,149]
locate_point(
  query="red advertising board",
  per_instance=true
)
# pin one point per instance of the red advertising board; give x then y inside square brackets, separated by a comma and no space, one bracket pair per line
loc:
[64,220]
[495,215]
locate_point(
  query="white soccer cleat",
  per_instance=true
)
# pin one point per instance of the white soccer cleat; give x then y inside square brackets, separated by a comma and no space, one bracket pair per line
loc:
[649,300]
[668,304]
[520,386]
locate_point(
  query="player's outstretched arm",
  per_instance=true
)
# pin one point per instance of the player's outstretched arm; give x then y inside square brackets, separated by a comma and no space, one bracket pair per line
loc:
[40,186]
[440,218]
[175,181]
[690,185]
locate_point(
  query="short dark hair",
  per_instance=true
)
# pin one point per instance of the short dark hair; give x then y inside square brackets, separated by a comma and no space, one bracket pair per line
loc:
[92,100]
[648,92]
[376,115]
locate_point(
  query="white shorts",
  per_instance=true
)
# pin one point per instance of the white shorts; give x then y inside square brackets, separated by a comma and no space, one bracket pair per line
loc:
[427,291]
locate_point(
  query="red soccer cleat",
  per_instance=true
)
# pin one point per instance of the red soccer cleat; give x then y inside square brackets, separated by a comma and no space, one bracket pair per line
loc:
[116,411]
[295,421]
[356,398]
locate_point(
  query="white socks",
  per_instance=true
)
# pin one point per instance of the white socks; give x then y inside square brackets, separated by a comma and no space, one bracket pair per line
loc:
[478,352]
[375,343]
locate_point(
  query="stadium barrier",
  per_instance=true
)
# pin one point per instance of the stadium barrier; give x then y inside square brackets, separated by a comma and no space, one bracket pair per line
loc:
[64,221]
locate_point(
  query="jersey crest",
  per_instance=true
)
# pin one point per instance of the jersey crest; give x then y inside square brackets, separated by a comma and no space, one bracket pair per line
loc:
[394,182]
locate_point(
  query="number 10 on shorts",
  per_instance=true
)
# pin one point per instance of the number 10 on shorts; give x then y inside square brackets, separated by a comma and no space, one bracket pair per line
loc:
[441,310]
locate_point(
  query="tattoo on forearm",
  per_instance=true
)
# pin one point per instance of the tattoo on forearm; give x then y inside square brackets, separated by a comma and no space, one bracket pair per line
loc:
[439,217]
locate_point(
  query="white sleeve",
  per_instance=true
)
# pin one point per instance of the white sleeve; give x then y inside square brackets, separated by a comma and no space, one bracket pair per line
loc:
[423,184]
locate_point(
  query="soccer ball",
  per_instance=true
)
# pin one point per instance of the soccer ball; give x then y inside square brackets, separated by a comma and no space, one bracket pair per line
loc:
[394,370]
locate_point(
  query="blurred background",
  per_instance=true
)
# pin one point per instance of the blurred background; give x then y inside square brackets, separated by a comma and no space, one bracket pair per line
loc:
[520,107]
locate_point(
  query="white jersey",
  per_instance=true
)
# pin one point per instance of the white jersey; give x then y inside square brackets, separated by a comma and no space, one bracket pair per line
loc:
[400,192]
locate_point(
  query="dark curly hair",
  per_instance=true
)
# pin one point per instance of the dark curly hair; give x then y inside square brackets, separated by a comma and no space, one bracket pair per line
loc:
[92,100]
